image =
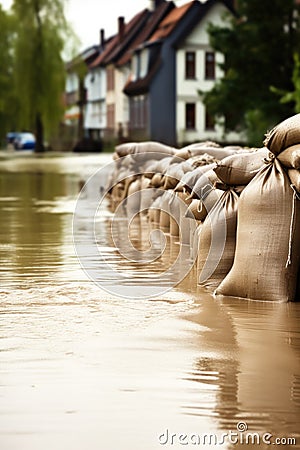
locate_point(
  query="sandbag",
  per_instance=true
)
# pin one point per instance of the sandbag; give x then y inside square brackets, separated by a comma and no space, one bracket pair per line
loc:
[204,184]
[185,224]
[125,149]
[294,176]
[172,175]
[164,215]
[268,237]
[217,241]
[189,179]
[146,194]
[156,180]
[284,135]
[154,211]
[133,198]
[216,152]
[290,157]
[153,147]
[199,209]
[241,168]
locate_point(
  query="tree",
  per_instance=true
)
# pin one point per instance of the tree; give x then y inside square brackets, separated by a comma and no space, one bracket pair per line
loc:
[39,67]
[7,98]
[258,44]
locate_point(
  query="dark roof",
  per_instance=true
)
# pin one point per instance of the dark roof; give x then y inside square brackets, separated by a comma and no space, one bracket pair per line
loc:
[116,47]
[164,30]
[148,29]
[88,56]
[141,86]
[169,23]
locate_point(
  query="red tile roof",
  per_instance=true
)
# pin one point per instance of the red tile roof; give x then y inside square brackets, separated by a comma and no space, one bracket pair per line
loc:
[170,22]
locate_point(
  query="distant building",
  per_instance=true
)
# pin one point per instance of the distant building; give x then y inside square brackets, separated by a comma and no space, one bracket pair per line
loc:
[75,94]
[168,70]
[143,83]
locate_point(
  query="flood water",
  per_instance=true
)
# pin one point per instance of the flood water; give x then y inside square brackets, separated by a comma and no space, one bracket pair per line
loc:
[81,368]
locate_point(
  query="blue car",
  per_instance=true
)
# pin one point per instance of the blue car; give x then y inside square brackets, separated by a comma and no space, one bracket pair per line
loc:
[24,141]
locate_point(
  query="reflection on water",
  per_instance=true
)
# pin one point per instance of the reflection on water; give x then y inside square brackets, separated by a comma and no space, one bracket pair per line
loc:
[83,369]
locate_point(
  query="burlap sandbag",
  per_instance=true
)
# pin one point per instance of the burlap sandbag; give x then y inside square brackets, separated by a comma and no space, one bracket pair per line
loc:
[125,149]
[204,184]
[156,180]
[294,176]
[217,241]
[154,211]
[284,135]
[133,197]
[216,152]
[240,169]
[198,209]
[290,157]
[267,250]
[189,179]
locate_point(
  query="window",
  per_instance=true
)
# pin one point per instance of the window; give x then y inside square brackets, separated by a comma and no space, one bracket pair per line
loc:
[190,65]
[210,73]
[209,121]
[190,116]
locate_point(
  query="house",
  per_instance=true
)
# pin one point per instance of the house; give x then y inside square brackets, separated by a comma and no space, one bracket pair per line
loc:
[75,93]
[143,83]
[168,70]
[107,114]
[109,98]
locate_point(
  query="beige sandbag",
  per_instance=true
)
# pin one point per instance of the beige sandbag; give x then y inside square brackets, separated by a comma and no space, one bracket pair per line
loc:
[294,176]
[268,239]
[154,211]
[190,178]
[146,194]
[194,210]
[156,180]
[217,241]
[284,135]
[125,149]
[216,152]
[290,157]
[239,169]
[153,147]
[133,201]
[198,209]
[185,224]
[204,184]
[164,215]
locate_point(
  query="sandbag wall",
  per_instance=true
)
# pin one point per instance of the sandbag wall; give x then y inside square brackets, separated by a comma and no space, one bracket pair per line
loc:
[238,208]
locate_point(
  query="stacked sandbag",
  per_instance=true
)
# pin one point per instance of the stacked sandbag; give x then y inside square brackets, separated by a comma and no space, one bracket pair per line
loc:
[217,240]
[201,148]
[284,135]
[241,168]
[183,191]
[268,239]
[157,149]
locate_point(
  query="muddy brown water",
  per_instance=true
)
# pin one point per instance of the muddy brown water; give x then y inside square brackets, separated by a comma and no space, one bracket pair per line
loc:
[82,369]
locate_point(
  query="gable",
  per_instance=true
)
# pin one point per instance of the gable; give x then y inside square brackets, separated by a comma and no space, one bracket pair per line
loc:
[199,34]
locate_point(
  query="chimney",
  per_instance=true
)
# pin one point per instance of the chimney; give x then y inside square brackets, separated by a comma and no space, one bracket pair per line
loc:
[102,39]
[121,28]
[154,4]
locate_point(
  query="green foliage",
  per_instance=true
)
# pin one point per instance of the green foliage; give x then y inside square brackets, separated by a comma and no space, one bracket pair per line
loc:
[293,96]
[258,45]
[39,67]
[7,97]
